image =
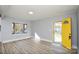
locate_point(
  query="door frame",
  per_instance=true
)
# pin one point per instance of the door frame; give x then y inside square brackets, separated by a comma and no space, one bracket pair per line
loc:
[53,28]
[53,31]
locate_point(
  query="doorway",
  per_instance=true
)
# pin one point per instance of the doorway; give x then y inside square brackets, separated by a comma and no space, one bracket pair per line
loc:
[62,32]
[58,32]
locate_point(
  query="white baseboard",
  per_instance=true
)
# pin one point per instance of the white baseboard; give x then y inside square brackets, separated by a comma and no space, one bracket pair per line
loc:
[46,40]
[11,40]
[15,39]
[74,46]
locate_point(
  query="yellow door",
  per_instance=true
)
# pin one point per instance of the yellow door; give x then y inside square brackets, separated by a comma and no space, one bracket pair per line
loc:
[66,33]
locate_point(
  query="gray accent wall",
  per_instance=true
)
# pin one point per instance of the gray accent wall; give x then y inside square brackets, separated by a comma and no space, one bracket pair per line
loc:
[44,27]
[78,29]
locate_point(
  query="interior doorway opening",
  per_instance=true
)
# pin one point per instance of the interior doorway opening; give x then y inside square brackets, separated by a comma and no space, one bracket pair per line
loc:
[58,32]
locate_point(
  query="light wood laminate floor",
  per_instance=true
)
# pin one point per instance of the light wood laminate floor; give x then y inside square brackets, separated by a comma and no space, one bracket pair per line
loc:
[30,46]
[0,48]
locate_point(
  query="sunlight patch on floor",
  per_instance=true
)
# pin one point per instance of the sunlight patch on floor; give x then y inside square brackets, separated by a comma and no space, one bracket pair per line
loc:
[37,37]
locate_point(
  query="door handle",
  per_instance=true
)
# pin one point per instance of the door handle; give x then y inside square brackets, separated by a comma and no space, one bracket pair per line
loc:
[69,36]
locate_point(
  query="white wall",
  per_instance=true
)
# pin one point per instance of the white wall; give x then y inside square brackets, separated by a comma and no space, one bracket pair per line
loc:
[0,31]
[7,29]
[44,27]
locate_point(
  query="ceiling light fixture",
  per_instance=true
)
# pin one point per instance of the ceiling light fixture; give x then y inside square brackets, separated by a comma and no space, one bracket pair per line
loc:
[31,12]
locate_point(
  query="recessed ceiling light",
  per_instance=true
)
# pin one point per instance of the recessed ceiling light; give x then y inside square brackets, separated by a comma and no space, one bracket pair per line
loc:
[31,12]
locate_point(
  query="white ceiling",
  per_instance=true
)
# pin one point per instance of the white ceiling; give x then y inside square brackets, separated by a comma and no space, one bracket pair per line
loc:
[40,11]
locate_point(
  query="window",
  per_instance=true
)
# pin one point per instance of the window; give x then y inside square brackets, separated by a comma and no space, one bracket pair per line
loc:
[24,28]
[19,28]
